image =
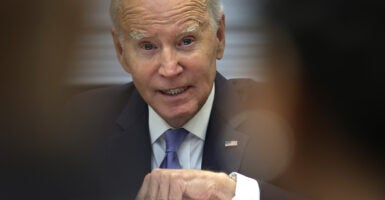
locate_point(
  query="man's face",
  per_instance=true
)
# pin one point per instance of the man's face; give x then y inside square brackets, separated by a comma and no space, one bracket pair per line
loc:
[170,49]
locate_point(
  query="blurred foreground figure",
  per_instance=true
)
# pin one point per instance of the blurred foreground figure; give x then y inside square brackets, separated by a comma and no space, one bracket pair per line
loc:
[36,43]
[327,81]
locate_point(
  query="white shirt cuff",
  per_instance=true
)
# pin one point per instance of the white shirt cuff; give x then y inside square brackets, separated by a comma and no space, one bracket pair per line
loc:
[246,188]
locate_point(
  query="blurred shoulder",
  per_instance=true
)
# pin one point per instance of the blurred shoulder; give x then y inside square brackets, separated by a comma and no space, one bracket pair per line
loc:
[101,99]
[104,94]
[109,92]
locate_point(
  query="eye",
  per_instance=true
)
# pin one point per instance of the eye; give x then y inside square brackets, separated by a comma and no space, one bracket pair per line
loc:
[186,41]
[147,46]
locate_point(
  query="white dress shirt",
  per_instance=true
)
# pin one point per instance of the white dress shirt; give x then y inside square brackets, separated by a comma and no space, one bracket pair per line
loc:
[190,152]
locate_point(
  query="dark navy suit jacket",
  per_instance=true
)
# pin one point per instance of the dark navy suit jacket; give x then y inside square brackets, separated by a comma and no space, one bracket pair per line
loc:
[112,141]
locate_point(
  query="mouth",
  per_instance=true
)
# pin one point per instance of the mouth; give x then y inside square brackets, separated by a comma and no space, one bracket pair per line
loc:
[175,91]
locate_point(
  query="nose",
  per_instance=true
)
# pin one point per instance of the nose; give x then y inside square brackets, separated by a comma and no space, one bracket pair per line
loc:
[169,65]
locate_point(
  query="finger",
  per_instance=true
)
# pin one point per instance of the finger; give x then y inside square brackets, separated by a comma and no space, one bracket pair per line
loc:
[209,185]
[154,184]
[164,185]
[177,186]
[144,188]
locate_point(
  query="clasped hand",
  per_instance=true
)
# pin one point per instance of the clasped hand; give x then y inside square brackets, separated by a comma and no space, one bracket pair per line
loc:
[186,184]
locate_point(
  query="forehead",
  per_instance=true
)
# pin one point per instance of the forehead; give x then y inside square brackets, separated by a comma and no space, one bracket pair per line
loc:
[137,14]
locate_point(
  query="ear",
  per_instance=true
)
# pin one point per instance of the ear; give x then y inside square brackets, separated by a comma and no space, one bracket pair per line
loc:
[221,37]
[119,50]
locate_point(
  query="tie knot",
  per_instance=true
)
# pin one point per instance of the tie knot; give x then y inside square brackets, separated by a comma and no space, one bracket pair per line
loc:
[174,138]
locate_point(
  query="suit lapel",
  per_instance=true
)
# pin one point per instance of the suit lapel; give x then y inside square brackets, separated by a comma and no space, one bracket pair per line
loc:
[129,147]
[224,144]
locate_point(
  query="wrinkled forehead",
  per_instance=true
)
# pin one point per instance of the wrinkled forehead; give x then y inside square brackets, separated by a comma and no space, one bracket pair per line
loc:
[135,14]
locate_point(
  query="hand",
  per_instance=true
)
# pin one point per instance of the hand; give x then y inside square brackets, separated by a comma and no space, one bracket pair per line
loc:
[178,184]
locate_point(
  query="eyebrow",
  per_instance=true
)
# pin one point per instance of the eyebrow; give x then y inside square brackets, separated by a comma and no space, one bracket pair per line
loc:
[190,29]
[137,35]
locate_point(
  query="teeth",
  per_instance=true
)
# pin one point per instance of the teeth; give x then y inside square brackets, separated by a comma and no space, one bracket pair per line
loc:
[174,91]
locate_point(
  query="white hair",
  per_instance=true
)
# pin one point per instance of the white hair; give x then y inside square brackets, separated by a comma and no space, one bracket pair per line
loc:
[215,9]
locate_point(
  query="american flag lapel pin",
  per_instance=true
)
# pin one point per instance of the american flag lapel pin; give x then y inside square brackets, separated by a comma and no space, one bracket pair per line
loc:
[231,143]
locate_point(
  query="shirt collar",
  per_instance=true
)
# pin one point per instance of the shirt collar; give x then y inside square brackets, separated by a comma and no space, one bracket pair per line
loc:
[196,125]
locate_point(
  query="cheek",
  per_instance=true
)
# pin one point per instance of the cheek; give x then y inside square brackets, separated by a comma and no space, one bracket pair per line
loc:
[141,78]
[140,69]
[207,67]
[203,59]
[133,59]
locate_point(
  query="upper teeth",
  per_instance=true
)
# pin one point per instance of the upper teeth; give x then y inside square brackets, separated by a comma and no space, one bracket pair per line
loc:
[175,91]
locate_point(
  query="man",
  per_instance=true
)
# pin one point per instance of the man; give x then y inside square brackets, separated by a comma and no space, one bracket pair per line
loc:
[170,49]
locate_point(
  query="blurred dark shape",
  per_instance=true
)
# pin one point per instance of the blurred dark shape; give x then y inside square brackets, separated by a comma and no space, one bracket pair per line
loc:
[327,80]
[37,39]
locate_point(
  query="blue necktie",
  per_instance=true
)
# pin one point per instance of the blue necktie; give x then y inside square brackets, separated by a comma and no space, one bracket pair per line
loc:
[174,138]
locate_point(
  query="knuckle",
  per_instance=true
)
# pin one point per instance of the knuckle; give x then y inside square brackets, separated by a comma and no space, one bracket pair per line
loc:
[223,176]
[177,181]
[147,177]
[156,174]
[156,171]
[175,177]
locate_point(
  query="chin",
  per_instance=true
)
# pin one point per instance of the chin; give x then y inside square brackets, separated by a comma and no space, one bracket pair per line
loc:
[179,119]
